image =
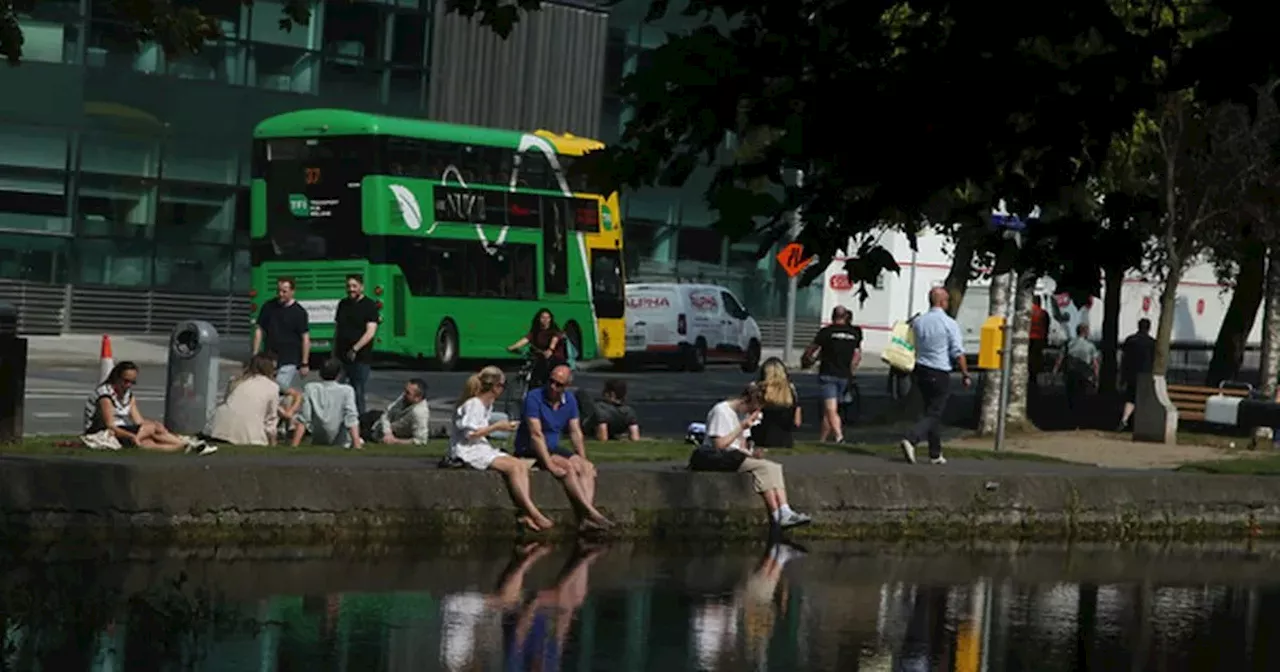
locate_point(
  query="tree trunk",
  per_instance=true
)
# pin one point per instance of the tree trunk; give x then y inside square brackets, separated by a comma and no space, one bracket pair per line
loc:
[961,270]
[989,412]
[1269,364]
[1112,285]
[1228,351]
[1164,330]
[1019,375]
[1269,367]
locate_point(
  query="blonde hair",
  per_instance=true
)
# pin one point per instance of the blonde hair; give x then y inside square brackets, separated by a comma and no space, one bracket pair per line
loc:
[480,382]
[776,383]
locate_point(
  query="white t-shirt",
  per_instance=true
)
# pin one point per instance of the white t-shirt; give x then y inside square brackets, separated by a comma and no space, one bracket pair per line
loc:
[469,417]
[724,421]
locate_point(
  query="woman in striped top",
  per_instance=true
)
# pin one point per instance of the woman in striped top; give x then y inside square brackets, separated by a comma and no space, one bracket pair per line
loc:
[112,406]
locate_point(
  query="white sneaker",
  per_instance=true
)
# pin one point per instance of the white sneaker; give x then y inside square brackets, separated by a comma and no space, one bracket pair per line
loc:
[938,460]
[794,519]
[908,451]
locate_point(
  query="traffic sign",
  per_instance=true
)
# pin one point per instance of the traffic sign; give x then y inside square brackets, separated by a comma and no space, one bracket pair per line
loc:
[792,259]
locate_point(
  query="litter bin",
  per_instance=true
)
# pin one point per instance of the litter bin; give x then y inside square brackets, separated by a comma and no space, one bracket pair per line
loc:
[13,375]
[191,390]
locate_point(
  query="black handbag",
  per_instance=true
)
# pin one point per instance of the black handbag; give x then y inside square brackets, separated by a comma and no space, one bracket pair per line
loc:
[710,459]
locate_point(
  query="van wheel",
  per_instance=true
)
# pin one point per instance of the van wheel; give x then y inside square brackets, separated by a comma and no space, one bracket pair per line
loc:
[446,346]
[698,356]
[752,362]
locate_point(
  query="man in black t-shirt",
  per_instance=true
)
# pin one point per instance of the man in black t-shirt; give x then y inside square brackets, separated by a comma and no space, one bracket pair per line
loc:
[285,331]
[354,328]
[839,349]
[1137,355]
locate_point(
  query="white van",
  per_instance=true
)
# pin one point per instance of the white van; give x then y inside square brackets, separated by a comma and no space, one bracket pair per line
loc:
[689,325]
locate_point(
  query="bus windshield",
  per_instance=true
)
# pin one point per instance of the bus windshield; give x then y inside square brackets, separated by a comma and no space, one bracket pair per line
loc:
[313,196]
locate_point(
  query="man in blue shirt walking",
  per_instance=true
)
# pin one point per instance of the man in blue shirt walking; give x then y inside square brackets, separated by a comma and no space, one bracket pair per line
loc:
[938,345]
[550,412]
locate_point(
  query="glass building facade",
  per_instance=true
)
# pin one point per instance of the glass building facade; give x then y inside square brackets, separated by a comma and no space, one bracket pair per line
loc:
[124,173]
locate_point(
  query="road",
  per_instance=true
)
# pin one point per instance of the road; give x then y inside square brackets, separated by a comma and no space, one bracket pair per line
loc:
[665,401]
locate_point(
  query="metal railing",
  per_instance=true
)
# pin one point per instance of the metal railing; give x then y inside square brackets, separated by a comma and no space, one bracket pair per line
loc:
[51,309]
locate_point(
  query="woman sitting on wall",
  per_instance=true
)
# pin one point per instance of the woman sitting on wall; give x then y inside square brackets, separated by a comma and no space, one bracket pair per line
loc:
[469,442]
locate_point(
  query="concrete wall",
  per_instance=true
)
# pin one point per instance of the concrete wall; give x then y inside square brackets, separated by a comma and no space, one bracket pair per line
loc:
[323,500]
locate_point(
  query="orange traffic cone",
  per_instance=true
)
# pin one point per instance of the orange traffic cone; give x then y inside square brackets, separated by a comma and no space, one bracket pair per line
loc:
[107,361]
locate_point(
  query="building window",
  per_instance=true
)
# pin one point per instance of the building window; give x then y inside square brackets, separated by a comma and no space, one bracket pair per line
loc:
[193,268]
[33,147]
[699,245]
[34,258]
[265,26]
[114,44]
[115,207]
[409,40]
[112,261]
[278,68]
[197,214]
[32,200]
[199,158]
[119,155]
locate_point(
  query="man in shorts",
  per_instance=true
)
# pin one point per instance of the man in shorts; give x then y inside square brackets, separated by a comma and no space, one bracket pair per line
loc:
[838,347]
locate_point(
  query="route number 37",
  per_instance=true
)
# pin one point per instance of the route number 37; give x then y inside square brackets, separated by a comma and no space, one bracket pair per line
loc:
[313,175]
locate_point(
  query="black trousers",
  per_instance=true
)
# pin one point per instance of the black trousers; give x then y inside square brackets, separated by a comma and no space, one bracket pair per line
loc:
[935,388]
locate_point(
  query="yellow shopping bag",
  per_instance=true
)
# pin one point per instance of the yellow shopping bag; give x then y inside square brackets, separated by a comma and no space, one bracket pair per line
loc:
[900,354]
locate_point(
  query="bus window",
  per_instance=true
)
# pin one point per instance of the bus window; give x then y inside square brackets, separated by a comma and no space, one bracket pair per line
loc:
[404,157]
[555,251]
[535,172]
[577,182]
[313,196]
[607,283]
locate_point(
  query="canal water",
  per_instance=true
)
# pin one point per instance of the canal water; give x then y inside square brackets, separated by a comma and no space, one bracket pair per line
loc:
[830,606]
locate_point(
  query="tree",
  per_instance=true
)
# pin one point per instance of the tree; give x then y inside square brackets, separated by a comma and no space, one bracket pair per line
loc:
[777,69]
[1239,248]
[1206,162]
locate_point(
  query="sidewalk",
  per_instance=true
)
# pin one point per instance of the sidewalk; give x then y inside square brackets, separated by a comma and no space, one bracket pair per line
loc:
[83,349]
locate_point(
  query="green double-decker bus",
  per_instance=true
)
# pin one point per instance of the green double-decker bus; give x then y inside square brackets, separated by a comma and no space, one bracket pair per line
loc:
[460,233]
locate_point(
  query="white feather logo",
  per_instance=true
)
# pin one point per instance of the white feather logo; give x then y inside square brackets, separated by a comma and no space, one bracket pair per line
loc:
[408,203]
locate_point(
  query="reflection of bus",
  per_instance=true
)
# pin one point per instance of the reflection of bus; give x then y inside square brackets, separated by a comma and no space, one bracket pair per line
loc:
[461,233]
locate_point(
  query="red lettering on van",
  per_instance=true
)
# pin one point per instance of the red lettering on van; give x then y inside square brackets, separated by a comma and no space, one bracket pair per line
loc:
[703,301]
[645,302]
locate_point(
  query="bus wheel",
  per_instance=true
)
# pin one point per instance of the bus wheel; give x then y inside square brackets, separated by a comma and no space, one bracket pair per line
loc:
[574,334]
[446,346]
[752,362]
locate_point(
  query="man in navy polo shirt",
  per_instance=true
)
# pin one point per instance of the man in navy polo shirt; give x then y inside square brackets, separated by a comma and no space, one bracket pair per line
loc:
[550,413]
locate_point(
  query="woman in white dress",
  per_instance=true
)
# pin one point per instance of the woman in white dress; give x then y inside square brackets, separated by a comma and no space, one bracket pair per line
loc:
[469,442]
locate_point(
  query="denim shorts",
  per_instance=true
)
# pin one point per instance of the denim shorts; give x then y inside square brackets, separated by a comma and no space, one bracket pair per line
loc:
[833,387]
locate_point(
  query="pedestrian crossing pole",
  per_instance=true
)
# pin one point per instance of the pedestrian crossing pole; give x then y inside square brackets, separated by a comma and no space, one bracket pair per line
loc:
[1013,227]
[793,284]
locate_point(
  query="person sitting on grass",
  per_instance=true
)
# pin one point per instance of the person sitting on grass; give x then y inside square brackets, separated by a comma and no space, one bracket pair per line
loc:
[469,442]
[329,411]
[550,413]
[407,419]
[250,413]
[113,407]
[614,419]
[724,449]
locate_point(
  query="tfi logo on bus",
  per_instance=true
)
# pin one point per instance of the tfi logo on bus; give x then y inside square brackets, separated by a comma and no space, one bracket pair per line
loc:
[299,205]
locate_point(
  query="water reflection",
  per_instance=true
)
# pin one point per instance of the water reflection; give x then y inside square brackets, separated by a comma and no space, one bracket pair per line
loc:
[539,607]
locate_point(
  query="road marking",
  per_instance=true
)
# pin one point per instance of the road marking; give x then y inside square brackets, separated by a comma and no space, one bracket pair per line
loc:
[50,415]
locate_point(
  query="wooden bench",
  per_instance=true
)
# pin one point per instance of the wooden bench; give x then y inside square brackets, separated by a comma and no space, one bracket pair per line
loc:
[1190,399]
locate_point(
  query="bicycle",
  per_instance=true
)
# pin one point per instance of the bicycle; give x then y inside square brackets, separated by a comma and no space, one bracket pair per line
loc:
[519,384]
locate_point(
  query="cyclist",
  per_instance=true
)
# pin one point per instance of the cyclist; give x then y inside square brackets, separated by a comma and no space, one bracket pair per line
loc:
[546,343]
